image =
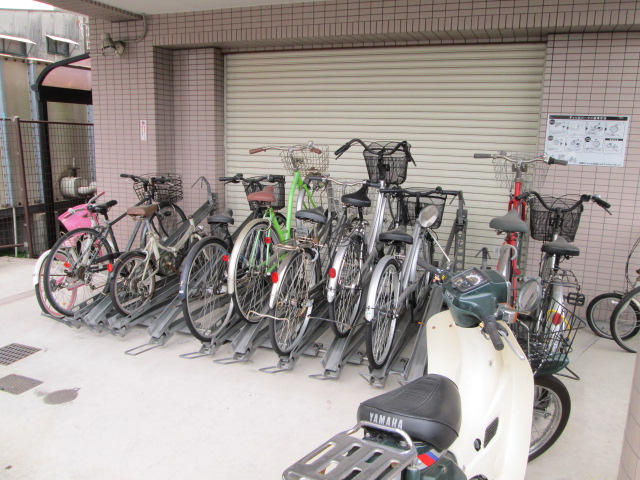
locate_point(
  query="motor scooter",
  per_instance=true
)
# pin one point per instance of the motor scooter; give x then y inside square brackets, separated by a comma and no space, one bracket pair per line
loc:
[469,418]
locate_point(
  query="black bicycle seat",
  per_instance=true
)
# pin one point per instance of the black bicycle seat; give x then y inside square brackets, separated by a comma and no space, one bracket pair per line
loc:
[313,215]
[510,222]
[396,235]
[427,409]
[561,247]
[101,208]
[223,217]
[357,199]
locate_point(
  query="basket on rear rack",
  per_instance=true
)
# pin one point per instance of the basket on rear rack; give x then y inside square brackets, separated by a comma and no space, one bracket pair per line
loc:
[252,186]
[413,203]
[387,166]
[169,191]
[543,221]
[306,161]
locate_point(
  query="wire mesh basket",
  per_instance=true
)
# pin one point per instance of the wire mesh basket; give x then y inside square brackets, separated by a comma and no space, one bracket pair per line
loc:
[413,204]
[387,166]
[533,174]
[252,186]
[544,222]
[548,345]
[306,161]
[169,191]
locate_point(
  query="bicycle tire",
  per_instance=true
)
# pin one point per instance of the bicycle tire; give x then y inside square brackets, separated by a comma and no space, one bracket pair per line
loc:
[167,219]
[346,303]
[552,405]
[41,297]
[291,304]
[599,313]
[380,330]
[129,289]
[423,276]
[203,285]
[253,259]
[625,322]
[85,275]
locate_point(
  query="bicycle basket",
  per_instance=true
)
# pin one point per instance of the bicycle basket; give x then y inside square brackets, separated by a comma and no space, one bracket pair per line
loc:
[543,221]
[533,176]
[278,190]
[393,166]
[170,191]
[412,205]
[548,348]
[77,217]
[305,161]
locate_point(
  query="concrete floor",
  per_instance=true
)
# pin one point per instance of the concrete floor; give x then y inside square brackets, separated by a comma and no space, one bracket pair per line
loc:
[159,416]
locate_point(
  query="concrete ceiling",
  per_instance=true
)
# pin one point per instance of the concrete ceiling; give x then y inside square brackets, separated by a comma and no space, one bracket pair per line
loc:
[123,10]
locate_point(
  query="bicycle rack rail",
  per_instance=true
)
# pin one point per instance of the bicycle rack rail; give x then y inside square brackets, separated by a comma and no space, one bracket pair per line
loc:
[226,332]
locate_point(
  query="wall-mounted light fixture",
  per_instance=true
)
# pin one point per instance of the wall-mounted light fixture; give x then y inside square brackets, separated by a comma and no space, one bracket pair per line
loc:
[109,47]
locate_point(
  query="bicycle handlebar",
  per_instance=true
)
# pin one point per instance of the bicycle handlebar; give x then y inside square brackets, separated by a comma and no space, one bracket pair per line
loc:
[404,145]
[325,178]
[584,198]
[309,146]
[540,158]
[144,180]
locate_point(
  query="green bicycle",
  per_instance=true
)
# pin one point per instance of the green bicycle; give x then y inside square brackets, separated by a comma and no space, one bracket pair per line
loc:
[254,258]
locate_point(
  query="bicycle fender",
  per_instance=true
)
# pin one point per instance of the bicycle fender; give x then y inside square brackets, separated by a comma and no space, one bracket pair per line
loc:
[371,292]
[282,270]
[235,253]
[338,261]
[35,277]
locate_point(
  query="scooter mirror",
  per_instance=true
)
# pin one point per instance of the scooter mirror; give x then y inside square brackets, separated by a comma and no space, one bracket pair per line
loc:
[529,296]
[428,216]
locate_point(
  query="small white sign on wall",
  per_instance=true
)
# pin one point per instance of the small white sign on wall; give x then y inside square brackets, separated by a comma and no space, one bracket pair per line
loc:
[143,130]
[597,140]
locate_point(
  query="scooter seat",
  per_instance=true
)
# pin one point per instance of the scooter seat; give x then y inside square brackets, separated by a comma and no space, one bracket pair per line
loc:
[509,222]
[224,217]
[427,409]
[313,214]
[357,199]
[396,235]
[561,247]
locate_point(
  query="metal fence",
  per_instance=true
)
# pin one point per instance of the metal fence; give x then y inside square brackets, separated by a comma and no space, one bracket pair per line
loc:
[47,167]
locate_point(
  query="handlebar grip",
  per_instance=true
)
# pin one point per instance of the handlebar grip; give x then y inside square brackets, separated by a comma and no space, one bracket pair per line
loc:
[316,178]
[227,179]
[316,150]
[125,175]
[557,161]
[491,329]
[256,150]
[342,149]
[482,155]
[601,201]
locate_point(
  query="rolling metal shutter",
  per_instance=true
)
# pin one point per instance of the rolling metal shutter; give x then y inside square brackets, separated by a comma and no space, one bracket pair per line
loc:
[447,101]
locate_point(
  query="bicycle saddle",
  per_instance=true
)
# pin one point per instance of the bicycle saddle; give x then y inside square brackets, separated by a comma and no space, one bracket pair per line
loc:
[142,210]
[427,409]
[357,199]
[510,222]
[101,208]
[560,247]
[266,195]
[313,214]
[224,217]
[396,235]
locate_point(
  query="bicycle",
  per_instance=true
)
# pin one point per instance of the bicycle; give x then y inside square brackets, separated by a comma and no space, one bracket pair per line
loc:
[76,272]
[625,320]
[516,171]
[358,249]
[547,333]
[132,282]
[252,259]
[601,307]
[400,282]
[203,278]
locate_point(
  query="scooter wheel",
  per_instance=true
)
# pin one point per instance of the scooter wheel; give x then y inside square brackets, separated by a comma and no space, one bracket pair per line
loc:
[551,410]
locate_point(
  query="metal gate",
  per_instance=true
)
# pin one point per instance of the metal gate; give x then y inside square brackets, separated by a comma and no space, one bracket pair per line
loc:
[47,167]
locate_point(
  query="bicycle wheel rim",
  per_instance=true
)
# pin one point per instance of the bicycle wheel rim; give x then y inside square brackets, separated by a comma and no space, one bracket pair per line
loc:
[132,285]
[381,329]
[599,312]
[346,304]
[41,295]
[625,322]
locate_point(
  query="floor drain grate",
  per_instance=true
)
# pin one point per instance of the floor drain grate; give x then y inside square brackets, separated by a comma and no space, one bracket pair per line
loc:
[13,352]
[17,384]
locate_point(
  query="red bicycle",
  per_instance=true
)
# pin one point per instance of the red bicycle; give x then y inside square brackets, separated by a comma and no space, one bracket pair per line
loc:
[517,171]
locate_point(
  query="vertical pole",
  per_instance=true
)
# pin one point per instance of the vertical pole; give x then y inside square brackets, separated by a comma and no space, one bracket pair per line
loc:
[25,193]
[630,459]
[35,113]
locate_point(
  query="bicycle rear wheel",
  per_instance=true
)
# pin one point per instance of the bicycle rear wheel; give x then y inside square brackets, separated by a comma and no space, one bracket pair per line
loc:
[133,283]
[423,276]
[41,296]
[599,313]
[625,321]
[346,303]
[381,329]
[75,272]
[292,306]
[203,287]
[551,410]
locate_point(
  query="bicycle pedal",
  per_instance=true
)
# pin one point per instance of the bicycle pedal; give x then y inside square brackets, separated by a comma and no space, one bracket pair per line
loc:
[576,299]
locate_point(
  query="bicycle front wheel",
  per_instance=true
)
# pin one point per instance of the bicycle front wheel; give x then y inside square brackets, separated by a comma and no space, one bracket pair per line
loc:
[41,296]
[551,410]
[252,262]
[423,276]
[625,321]
[381,329]
[168,218]
[292,306]
[75,272]
[203,285]
[133,283]
[344,308]
[599,313]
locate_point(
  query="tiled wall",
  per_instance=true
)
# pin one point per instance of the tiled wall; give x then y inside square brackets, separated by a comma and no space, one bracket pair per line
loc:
[173,79]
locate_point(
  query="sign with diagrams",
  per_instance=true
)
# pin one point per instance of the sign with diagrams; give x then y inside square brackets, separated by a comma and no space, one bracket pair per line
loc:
[597,140]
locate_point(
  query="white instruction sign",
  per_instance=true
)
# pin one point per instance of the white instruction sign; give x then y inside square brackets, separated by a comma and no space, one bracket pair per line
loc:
[597,140]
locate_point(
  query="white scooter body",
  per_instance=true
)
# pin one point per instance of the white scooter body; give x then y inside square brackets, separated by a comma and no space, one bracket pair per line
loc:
[492,384]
